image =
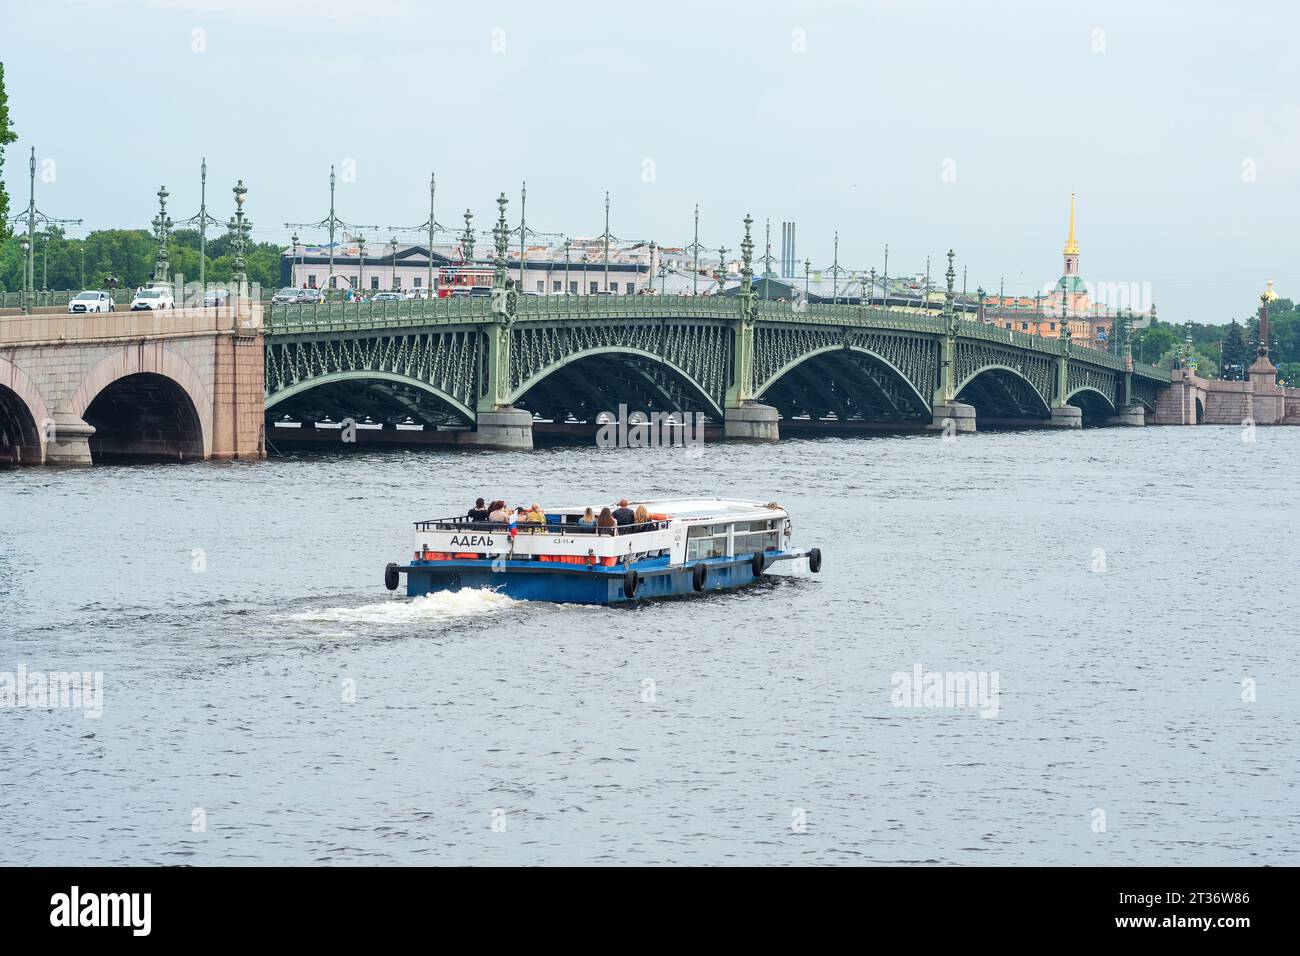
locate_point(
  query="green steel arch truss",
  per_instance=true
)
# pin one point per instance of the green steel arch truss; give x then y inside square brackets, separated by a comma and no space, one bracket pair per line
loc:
[567,355]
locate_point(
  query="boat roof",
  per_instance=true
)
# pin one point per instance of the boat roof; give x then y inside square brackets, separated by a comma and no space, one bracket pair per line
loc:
[699,508]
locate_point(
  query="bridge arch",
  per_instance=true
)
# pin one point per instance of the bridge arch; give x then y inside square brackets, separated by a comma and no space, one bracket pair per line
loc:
[906,391]
[1095,403]
[23,418]
[371,392]
[651,378]
[145,400]
[1000,391]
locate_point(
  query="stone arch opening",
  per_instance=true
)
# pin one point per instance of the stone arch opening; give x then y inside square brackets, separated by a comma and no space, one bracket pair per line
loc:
[144,416]
[1200,411]
[845,386]
[20,437]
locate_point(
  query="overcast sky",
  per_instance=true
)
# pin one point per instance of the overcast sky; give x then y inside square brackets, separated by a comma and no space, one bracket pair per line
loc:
[921,125]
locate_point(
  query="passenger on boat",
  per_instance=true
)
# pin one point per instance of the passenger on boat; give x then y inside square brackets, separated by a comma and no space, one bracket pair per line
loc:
[606,520]
[499,512]
[479,512]
[588,519]
[535,517]
[623,514]
[642,520]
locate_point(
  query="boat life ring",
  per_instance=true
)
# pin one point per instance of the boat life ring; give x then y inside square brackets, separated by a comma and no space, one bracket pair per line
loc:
[390,576]
[699,576]
[631,581]
[759,564]
[815,560]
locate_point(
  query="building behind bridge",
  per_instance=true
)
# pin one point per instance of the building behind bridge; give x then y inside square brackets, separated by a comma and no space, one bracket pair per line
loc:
[405,267]
[1071,299]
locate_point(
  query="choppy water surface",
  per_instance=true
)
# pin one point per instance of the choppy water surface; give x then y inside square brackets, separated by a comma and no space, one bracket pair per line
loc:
[224,688]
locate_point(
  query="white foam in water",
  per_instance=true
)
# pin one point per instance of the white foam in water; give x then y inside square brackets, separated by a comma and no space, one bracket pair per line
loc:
[441,606]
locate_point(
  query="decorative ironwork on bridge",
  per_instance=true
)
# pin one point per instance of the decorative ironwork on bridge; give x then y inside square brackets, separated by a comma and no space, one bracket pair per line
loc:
[566,358]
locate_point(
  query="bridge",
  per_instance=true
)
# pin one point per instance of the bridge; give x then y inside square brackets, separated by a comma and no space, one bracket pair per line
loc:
[481,371]
[177,385]
[486,371]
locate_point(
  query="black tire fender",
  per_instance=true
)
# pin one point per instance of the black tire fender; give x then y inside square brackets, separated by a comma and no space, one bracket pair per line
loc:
[759,564]
[390,576]
[815,560]
[631,581]
[700,576]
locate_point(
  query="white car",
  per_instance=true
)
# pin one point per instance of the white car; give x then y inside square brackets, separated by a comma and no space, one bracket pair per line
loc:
[90,302]
[154,298]
[386,297]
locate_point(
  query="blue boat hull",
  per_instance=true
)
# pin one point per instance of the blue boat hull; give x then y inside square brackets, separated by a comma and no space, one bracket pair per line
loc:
[578,584]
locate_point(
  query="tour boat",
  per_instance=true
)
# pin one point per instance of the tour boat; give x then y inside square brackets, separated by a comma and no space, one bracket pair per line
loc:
[685,547]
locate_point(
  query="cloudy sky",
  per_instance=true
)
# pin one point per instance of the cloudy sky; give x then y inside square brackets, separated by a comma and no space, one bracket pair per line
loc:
[921,125]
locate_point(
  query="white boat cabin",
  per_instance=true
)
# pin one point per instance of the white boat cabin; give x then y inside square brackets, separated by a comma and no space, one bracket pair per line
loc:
[684,530]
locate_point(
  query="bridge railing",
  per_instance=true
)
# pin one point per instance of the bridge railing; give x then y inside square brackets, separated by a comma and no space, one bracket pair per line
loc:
[45,300]
[1152,371]
[244,319]
[359,316]
[907,320]
[617,306]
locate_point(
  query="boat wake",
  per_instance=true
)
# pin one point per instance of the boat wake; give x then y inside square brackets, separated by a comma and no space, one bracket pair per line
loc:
[441,607]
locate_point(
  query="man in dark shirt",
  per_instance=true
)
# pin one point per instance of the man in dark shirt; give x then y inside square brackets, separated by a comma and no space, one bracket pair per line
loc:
[479,512]
[623,514]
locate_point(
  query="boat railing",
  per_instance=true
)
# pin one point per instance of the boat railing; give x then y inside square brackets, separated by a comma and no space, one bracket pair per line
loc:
[463,523]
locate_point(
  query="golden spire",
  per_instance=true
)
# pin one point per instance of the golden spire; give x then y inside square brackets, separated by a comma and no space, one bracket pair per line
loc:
[1071,247]
[1269,293]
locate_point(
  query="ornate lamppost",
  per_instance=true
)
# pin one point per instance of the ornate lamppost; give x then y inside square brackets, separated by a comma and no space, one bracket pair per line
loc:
[162,226]
[239,229]
[467,238]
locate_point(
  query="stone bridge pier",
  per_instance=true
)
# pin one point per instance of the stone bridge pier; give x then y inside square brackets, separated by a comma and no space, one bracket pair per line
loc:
[172,385]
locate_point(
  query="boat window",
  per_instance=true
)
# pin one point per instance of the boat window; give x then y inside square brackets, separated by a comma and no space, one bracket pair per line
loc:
[754,536]
[706,541]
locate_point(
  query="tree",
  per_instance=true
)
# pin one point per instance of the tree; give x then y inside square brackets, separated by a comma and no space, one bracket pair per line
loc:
[1236,353]
[7,136]
[1151,343]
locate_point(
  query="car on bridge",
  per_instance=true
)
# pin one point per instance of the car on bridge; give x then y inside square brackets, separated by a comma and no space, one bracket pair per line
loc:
[386,297]
[214,298]
[153,298]
[287,296]
[90,301]
[310,296]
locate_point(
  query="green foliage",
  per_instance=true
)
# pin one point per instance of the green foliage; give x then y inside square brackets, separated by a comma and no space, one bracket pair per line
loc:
[129,255]
[1151,343]
[7,136]
[1224,346]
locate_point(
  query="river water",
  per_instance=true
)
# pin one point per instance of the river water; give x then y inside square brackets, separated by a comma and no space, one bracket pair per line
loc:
[1130,596]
